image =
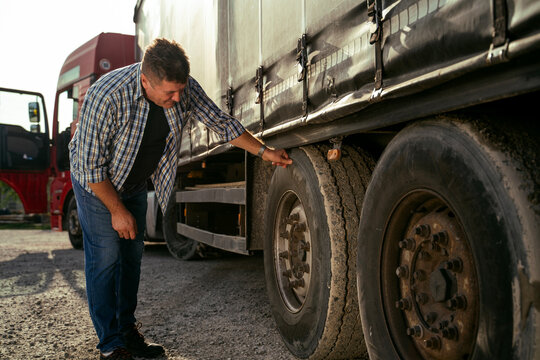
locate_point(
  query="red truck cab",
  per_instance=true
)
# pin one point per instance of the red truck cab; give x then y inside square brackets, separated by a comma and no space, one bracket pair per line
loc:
[29,177]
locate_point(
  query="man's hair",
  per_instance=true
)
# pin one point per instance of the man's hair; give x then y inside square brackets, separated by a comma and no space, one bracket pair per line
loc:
[166,60]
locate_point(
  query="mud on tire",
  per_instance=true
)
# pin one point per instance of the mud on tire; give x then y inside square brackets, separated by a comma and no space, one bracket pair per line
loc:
[446,249]
[312,221]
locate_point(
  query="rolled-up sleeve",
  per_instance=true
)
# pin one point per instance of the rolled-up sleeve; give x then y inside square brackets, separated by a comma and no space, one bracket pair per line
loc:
[207,112]
[94,139]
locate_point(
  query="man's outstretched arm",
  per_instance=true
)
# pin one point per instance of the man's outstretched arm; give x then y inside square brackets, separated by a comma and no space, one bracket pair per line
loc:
[252,145]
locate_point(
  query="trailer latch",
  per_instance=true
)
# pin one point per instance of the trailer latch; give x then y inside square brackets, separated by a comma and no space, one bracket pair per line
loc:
[229,101]
[497,54]
[259,84]
[375,19]
[301,57]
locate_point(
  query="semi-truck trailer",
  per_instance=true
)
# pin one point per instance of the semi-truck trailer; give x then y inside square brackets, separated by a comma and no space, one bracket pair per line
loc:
[408,226]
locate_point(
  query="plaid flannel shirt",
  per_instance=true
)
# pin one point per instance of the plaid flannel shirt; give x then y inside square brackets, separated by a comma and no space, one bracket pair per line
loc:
[111,127]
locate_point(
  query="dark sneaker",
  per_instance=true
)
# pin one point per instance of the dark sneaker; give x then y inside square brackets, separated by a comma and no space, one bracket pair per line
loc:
[117,354]
[135,343]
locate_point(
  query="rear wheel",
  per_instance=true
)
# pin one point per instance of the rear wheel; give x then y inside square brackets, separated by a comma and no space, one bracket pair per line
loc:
[309,269]
[179,246]
[441,247]
[73,226]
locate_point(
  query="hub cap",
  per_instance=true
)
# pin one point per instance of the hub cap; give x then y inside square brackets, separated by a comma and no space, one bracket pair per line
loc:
[73,223]
[435,293]
[292,252]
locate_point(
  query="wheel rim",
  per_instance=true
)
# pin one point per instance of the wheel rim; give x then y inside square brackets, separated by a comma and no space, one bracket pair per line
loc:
[429,281]
[73,223]
[292,252]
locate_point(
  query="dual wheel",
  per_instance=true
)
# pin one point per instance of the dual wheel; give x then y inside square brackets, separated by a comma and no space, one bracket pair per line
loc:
[310,252]
[443,255]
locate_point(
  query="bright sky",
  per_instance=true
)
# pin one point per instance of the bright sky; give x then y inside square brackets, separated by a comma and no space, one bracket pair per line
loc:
[36,36]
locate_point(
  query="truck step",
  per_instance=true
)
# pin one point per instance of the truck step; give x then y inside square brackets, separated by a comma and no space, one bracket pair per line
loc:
[235,244]
[226,195]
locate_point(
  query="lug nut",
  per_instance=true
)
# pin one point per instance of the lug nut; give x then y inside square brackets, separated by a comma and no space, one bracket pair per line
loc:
[292,218]
[297,283]
[443,324]
[403,304]
[415,331]
[422,298]
[456,265]
[407,244]
[287,273]
[423,230]
[431,317]
[457,302]
[449,333]
[419,275]
[441,237]
[402,271]
[433,343]
[433,246]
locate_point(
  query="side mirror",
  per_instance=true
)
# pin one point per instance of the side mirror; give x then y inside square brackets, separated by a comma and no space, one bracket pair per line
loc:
[33,112]
[35,128]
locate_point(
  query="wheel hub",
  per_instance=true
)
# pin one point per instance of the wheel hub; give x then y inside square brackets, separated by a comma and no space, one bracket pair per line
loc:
[73,223]
[438,288]
[293,250]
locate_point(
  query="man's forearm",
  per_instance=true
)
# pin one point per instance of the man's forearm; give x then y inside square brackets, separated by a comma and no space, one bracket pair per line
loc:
[108,195]
[251,144]
[248,142]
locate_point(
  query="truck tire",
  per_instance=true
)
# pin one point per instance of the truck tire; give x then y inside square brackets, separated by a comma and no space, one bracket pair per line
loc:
[73,226]
[180,247]
[308,259]
[447,248]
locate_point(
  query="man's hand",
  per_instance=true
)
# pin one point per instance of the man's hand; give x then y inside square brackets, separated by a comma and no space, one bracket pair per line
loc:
[278,157]
[124,223]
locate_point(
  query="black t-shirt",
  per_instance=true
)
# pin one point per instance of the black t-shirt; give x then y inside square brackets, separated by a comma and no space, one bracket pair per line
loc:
[152,146]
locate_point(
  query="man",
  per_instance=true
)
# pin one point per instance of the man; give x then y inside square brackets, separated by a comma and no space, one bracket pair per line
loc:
[129,130]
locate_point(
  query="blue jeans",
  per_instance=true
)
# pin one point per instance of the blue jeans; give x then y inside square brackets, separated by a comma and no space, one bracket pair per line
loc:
[112,264]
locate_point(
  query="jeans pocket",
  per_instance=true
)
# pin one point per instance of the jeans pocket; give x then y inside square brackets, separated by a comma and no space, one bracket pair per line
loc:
[96,206]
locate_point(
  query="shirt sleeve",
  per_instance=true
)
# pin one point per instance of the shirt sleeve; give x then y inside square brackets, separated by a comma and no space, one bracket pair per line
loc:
[207,112]
[95,128]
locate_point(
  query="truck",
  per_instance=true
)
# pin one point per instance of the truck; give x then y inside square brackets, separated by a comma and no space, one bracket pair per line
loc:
[408,225]
[34,159]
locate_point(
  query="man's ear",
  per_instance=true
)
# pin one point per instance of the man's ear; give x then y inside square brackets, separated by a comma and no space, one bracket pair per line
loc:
[144,80]
[145,83]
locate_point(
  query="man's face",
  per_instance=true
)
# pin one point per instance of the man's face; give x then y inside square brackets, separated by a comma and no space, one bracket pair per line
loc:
[164,93]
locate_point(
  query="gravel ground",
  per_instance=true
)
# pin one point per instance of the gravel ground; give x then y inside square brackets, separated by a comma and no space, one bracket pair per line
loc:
[210,309]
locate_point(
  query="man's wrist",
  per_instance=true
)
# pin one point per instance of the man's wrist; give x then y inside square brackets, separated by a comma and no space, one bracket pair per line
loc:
[261,151]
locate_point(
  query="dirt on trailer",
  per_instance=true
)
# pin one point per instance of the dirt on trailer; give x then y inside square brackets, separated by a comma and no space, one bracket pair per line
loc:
[207,309]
